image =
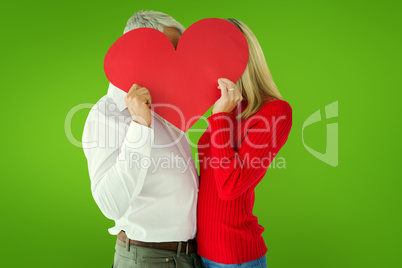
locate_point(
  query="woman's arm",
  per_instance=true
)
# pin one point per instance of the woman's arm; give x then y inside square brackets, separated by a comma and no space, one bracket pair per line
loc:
[242,168]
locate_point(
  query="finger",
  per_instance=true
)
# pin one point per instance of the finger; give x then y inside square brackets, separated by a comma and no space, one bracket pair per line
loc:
[134,91]
[230,89]
[227,81]
[147,97]
[224,90]
[134,87]
[141,91]
[231,85]
[144,92]
[144,100]
[149,101]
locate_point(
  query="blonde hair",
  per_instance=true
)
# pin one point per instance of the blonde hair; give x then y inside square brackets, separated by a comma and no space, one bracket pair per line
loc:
[256,83]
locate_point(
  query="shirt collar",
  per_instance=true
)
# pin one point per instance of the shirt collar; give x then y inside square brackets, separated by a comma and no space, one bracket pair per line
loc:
[117,95]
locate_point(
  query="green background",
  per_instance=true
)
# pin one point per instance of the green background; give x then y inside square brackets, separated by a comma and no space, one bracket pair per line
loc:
[315,215]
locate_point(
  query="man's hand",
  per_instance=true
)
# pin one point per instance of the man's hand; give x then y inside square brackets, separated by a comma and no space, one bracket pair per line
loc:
[230,97]
[138,102]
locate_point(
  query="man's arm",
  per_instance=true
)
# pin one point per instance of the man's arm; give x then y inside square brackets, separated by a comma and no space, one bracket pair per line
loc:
[116,174]
[115,178]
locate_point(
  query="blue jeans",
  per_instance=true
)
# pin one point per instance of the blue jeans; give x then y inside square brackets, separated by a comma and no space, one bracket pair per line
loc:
[258,263]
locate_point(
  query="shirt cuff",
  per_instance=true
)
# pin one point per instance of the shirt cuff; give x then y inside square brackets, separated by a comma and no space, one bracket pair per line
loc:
[138,136]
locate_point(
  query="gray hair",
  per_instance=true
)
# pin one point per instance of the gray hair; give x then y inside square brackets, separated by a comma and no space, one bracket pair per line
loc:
[152,19]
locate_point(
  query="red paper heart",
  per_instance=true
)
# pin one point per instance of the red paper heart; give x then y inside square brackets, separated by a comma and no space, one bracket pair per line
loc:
[182,82]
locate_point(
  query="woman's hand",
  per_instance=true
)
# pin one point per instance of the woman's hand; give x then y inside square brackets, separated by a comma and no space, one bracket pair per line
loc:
[230,97]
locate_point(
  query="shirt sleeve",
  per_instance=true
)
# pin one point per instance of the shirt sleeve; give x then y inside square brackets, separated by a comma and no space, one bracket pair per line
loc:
[242,168]
[116,163]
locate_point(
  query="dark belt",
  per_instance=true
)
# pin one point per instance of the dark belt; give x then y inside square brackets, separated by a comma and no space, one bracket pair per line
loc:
[189,247]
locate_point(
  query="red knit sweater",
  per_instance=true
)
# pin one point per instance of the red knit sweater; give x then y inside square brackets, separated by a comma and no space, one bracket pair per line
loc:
[234,157]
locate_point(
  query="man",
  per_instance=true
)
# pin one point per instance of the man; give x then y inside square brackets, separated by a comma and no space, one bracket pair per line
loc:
[141,170]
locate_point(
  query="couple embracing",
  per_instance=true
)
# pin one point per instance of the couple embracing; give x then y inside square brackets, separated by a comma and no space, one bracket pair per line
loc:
[167,215]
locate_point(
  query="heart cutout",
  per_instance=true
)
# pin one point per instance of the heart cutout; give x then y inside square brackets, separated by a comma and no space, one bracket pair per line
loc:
[182,82]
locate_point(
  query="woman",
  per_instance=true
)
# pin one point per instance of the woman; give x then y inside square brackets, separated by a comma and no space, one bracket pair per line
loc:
[249,124]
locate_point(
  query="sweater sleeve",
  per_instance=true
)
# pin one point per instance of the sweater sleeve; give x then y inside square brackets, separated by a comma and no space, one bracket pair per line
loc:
[242,168]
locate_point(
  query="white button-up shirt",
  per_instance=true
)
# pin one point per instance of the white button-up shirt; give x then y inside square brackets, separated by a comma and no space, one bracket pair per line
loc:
[144,178]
